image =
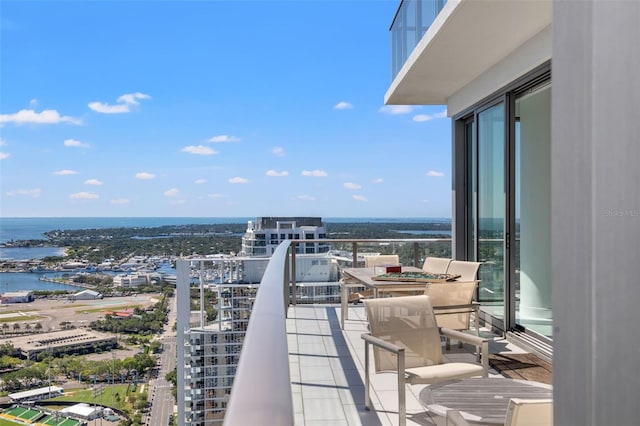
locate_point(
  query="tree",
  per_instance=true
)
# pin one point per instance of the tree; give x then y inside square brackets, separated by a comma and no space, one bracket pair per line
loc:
[38,326]
[16,326]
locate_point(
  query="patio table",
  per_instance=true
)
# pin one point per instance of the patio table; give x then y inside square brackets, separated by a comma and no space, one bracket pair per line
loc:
[365,277]
[481,400]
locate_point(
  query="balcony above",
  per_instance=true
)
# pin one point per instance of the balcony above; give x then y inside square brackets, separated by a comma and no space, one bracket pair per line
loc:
[466,39]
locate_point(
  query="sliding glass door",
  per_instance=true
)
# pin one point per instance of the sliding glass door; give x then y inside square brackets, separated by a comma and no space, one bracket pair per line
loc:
[504,150]
[491,207]
[532,166]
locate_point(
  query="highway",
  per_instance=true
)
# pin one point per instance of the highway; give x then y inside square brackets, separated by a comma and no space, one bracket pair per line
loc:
[160,396]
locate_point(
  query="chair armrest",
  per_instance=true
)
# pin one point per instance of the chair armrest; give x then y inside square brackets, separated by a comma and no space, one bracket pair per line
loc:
[466,307]
[381,343]
[467,338]
[483,344]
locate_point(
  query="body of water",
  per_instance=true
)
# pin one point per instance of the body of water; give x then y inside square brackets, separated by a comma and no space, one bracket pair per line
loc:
[26,281]
[13,229]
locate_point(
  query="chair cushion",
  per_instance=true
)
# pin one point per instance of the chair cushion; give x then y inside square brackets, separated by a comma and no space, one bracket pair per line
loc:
[442,372]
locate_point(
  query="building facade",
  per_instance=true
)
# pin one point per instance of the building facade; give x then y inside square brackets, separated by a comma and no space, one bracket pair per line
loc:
[499,100]
[208,349]
[545,175]
[266,233]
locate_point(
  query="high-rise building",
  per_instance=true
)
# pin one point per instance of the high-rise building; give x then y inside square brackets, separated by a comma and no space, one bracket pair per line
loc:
[263,235]
[212,320]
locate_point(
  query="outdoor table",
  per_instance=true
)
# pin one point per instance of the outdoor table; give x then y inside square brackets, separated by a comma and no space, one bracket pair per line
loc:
[365,277]
[481,400]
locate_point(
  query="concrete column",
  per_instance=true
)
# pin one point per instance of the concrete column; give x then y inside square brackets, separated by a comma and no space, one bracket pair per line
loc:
[595,205]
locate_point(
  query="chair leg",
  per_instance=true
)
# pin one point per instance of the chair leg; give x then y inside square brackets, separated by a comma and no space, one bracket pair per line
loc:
[402,390]
[367,396]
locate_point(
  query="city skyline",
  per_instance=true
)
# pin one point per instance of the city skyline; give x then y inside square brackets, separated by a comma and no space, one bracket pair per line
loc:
[126,109]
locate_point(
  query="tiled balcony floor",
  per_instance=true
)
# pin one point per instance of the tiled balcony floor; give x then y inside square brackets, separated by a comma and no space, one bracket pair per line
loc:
[327,371]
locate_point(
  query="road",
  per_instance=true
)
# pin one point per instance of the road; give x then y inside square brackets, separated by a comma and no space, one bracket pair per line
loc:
[160,396]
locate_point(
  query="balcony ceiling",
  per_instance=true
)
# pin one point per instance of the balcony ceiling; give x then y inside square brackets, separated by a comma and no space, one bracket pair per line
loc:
[465,40]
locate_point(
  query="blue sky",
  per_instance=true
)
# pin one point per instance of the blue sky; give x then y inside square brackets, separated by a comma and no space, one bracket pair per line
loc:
[211,108]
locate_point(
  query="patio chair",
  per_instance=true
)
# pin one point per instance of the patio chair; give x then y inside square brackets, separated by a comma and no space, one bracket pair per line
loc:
[529,412]
[436,265]
[467,270]
[453,303]
[406,339]
[370,262]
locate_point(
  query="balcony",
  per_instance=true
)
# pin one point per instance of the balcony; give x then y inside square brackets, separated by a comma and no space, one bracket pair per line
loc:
[305,370]
[439,47]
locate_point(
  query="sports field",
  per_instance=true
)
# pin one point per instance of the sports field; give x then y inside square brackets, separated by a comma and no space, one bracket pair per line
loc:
[18,415]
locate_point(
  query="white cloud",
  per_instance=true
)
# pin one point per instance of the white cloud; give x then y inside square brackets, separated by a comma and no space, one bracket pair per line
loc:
[428,117]
[108,109]
[93,182]
[178,202]
[343,105]
[48,116]
[224,138]
[75,144]
[359,198]
[314,173]
[65,172]
[215,195]
[4,155]
[145,176]
[351,185]
[84,196]
[199,150]
[378,180]
[434,173]
[275,173]
[33,102]
[35,193]
[306,197]
[238,180]
[132,98]
[200,181]
[120,201]
[2,142]
[123,105]
[278,151]
[396,109]
[173,192]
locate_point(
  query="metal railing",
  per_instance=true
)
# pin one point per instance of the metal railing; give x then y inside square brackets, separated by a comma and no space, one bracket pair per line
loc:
[261,392]
[416,259]
[411,21]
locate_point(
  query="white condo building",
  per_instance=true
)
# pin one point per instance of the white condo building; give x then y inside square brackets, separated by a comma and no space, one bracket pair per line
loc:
[208,350]
[263,235]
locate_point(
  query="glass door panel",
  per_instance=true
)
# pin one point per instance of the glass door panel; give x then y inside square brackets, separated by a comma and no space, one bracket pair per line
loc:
[491,208]
[532,208]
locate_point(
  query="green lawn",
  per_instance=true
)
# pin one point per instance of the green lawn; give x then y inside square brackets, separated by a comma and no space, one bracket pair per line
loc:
[107,396]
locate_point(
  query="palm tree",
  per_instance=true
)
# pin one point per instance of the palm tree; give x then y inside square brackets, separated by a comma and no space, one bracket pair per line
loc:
[16,326]
[5,326]
[38,326]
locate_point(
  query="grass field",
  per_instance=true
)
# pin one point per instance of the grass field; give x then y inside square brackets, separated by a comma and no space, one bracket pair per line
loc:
[110,396]
[20,318]
[107,308]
